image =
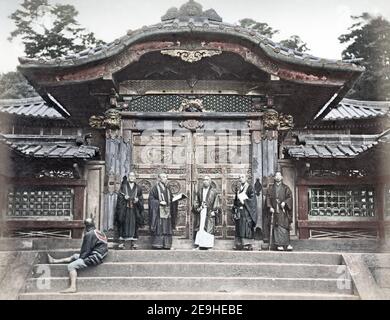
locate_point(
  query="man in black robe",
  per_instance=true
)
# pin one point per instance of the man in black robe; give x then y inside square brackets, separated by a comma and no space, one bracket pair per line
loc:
[244,215]
[129,210]
[162,214]
[207,213]
[279,203]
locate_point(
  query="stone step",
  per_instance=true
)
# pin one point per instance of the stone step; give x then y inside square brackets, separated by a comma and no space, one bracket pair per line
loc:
[197,269]
[185,296]
[194,284]
[382,276]
[210,256]
[324,245]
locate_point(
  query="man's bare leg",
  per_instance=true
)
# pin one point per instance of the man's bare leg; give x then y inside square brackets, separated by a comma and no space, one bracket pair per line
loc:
[63,260]
[73,278]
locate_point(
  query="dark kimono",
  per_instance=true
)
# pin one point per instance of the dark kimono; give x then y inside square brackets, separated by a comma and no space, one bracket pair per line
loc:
[213,214]
[162,219]
[245,216]
[94,247]
[128,213]
[276,194]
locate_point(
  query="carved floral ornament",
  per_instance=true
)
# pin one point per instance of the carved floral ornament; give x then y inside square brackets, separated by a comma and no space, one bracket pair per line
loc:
[191,56]
[191,124]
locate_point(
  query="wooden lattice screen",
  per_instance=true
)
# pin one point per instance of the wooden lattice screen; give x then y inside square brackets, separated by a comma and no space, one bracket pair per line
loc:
[342,201]
[40,202]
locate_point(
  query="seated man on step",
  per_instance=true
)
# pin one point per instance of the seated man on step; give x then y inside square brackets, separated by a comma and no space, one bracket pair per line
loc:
[93,250]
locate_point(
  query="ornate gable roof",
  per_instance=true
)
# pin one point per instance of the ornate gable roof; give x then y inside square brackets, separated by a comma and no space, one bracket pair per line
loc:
[190,17]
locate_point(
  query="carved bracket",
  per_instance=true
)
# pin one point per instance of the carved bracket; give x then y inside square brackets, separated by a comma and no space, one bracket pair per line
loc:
[275,121]
[111,120]
[191,56]
[286,122]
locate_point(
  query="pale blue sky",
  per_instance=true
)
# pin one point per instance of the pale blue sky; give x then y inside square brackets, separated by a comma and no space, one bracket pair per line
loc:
[318,22]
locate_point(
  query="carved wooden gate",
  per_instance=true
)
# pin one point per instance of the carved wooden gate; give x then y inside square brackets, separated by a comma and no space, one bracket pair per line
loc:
[187,157]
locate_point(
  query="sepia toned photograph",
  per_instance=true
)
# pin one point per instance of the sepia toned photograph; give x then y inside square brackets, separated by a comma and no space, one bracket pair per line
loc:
[206,151]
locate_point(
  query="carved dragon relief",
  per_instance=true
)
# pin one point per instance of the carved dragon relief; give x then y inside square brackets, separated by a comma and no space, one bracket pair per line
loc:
[190,105]
[191,56]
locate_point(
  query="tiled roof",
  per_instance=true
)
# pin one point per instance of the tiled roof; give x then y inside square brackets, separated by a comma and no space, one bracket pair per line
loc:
[331,145]
[191,18]
[50,146]
[349,109]
[29,107]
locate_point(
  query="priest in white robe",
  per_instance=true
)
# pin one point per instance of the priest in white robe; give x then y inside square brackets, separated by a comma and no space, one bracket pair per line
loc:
[207,214]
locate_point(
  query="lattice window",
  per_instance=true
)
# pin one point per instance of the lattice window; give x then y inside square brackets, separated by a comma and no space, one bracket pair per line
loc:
[213,103]
[40,202]
[342,201]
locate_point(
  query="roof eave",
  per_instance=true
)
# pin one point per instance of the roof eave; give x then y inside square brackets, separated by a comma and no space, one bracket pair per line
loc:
[144,34]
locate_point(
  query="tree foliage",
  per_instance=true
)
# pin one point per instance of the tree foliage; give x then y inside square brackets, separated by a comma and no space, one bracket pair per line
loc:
[14,86]
[261,27]
[50,30]
[294,42]
[369,39]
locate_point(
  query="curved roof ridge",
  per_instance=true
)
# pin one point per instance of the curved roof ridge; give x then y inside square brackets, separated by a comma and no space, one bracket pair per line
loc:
[194,24]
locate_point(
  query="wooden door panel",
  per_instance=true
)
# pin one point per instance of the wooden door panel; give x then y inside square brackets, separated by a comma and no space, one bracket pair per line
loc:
[223,158]
[162,152]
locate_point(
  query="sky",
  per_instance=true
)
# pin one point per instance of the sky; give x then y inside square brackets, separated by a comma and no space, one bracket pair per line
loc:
[318,22]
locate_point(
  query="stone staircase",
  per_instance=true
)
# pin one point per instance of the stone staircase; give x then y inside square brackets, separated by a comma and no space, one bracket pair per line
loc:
[190,275]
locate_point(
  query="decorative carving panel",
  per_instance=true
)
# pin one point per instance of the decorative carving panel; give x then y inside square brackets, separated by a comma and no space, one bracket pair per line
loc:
[191,56]
[180,103]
